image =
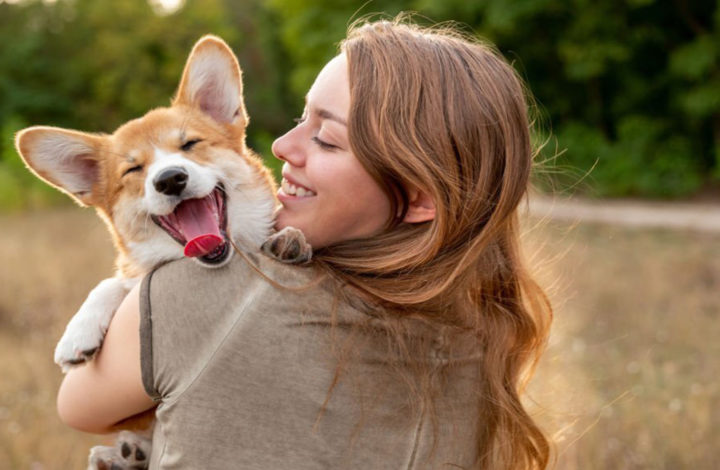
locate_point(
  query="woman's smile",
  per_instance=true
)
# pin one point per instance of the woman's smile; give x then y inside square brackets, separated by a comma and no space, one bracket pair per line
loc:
[289,187]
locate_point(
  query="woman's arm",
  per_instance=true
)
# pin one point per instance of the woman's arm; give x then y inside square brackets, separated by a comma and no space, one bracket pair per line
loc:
[94,397]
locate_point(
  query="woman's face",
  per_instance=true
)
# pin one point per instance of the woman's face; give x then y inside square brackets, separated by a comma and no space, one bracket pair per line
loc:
[325,190]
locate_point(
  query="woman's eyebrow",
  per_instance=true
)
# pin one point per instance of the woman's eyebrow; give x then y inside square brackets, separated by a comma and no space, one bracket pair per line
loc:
[325,114]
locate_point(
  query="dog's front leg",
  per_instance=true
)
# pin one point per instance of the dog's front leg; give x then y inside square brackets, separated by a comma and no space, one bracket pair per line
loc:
[86,330]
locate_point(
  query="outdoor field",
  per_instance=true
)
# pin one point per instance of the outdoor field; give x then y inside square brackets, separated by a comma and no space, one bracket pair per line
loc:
[629,381]
[623,110]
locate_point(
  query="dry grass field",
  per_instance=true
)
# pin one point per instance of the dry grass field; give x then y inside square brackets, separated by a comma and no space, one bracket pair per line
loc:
[630,379]
[631,376]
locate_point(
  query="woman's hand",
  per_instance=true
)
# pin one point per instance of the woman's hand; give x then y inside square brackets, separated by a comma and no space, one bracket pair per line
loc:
[109,389]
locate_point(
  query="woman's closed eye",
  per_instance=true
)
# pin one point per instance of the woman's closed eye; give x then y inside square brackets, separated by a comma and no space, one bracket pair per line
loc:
[324,145]
[317,140]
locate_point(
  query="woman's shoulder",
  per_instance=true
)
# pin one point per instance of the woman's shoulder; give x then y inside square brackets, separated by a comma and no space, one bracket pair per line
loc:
[242,266]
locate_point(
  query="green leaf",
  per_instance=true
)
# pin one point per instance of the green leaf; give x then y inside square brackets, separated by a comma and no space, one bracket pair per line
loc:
[702,100]
[696,59]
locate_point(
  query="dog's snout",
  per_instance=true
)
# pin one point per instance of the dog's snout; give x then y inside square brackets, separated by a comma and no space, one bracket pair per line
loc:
[171,181]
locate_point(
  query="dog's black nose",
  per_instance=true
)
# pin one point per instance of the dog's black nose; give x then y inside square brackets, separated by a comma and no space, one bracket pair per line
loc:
[171,181]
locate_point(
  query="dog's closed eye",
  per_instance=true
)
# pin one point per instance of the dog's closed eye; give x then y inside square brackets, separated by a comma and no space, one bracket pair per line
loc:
[133,169]
[187,146]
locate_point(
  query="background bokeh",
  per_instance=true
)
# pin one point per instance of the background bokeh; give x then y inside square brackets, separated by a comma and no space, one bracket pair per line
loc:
[627,91]
[627,104]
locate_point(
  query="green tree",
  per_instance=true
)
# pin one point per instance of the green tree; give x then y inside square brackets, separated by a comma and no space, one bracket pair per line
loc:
[93,65]
[632,88]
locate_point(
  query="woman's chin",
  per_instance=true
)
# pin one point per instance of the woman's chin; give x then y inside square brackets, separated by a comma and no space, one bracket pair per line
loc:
[284,218]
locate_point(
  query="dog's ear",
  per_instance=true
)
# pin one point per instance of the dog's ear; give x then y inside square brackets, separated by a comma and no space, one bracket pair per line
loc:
[65,159]
[212,82]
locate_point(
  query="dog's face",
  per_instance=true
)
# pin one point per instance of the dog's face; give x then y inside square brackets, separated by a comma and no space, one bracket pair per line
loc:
[178,181]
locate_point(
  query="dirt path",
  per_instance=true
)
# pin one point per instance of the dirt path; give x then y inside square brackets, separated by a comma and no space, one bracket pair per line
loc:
[701,217]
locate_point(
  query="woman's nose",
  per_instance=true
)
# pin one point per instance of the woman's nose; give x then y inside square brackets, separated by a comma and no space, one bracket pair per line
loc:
[287,148]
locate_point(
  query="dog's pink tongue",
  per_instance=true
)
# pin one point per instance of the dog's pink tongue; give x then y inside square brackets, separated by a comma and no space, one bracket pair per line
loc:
[202,245]
[199,226]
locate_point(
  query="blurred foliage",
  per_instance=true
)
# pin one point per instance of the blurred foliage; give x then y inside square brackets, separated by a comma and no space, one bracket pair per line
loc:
[632,87]
[20,189]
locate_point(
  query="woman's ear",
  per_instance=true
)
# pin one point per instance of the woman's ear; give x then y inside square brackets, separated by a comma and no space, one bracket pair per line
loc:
[421,207]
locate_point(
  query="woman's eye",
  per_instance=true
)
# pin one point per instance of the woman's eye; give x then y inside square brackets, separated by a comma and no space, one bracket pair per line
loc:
[299,120]
[133,169]
[187,146]
[323,144]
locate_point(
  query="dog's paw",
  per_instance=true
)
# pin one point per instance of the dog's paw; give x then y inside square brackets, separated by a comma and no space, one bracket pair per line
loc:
[130,452]
[86,331]
[288,246]
[135,449]
[106,458]
[77,347]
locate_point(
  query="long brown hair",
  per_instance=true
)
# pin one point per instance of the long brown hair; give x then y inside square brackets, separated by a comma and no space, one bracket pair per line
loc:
[434,110]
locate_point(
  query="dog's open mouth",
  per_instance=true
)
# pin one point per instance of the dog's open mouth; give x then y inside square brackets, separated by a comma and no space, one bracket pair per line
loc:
[200,225]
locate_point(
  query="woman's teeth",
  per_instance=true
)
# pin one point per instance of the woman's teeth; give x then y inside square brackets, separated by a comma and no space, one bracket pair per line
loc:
[292,190]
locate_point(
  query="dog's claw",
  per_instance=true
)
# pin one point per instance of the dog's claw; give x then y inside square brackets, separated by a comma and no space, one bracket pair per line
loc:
[288,246]
[79,358]
[75,362]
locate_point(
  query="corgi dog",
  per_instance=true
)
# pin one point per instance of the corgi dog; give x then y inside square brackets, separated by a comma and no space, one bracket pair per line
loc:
[179,181]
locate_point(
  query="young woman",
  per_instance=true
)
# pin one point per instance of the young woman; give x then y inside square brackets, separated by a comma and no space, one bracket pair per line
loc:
[405,173]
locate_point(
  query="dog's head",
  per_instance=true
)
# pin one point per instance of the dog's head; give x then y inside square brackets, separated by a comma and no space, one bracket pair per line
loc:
[177,181]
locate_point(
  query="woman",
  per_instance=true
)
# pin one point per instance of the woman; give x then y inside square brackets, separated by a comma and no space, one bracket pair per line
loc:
[405,173]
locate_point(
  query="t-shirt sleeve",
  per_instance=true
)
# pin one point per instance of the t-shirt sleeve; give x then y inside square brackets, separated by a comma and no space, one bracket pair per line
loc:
[185,313]
[146,350]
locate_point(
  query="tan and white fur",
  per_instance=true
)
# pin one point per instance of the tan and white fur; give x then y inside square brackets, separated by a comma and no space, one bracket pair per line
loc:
[144,171]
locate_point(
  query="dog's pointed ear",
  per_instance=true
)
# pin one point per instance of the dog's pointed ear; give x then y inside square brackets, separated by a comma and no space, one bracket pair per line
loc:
[65,159]
[212,82]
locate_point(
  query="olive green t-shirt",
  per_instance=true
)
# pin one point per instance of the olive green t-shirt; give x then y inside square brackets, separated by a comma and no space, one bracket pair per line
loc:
[245,374]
